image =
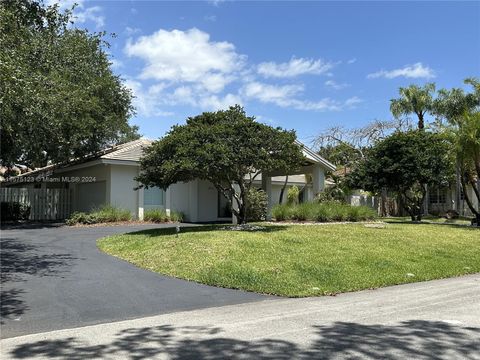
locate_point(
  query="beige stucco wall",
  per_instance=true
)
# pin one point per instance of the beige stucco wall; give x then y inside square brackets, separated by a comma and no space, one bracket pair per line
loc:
[197,200]
[180,199]
[122,184]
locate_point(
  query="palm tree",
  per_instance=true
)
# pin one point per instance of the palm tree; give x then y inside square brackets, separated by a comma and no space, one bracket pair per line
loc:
[414,99]
[467,141]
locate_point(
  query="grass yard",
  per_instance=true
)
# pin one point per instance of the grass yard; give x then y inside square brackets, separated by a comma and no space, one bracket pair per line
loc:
[304,260]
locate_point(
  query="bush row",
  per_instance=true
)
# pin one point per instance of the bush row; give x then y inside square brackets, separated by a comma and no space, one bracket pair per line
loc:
[103,214]
[322,212]
[109,213]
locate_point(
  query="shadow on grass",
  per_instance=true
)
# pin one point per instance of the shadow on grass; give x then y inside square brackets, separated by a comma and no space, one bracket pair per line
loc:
[419,223]
[409,339]
[205,228]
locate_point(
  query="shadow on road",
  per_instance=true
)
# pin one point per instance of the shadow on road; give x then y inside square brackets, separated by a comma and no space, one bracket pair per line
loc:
[18,260]
[409,339]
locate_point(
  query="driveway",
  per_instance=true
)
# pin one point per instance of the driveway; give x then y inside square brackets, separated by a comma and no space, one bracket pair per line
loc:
[431,320]
[55,278]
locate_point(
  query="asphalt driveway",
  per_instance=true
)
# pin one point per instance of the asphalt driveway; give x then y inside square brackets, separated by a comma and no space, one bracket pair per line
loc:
[55,278]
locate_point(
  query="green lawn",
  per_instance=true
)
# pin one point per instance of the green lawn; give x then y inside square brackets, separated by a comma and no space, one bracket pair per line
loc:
[304,260]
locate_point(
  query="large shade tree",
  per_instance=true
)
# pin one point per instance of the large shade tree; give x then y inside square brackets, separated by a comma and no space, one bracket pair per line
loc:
[406,163]
[59,98]
[416,100]
[227,148]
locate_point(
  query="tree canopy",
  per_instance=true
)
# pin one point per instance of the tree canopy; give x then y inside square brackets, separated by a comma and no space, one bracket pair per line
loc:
[59,98]
[227,148]
[406,163]
[416,100]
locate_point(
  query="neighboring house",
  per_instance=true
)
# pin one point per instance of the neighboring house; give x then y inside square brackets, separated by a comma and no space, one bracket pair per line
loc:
[440,200]
[108,177]
[437,202]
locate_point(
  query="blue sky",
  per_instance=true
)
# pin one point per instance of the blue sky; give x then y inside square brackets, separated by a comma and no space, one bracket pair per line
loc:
[299,65]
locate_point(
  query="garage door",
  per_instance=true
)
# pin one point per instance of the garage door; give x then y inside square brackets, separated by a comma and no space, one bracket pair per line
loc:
[90,196]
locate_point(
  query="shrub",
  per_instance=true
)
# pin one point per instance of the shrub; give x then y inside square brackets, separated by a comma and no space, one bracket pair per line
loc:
[292,195]
[106,213]
[13,211]
[322,212]
[81,218]
[156,215]
[176,216]
[257,203]
[281,212]
[330,194]
[302,212]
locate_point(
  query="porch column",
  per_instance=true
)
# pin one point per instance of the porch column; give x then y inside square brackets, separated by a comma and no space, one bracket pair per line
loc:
[267,187]
[168,200]
[318,179]
[140,203]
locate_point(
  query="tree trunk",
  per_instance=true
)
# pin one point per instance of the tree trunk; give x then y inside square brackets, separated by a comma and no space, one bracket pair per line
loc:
[467,197]
[280,200]
[421,123]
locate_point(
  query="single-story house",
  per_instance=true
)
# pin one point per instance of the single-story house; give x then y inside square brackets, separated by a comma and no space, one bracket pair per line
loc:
[108,177]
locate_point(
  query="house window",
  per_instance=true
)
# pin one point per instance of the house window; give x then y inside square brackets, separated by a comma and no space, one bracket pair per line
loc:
[153,197]
[437,196]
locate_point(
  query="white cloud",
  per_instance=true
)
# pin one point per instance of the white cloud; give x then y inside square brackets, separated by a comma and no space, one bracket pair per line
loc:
[186,56]
[129,31]
[211,18]
[295,67]
[279,95]
[215,2]
[81,14]
[336,86]
[353,101]
[116,64]
[187,68]
[352,61]
[214,102]
[417,70]
[92,14]
[285,96]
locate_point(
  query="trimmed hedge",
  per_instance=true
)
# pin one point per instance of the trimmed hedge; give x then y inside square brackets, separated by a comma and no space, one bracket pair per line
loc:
[322,212]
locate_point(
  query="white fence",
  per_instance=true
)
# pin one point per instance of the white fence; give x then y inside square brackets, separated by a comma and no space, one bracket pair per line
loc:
[45,204]
[363,200]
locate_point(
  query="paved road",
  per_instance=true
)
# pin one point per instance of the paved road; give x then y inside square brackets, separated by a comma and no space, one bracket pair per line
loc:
[431,320]
[56,278]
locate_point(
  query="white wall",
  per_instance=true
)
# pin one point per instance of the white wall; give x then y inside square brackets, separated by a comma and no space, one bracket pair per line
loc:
[122,184]
[180,199]
[197,200]
[207,201]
